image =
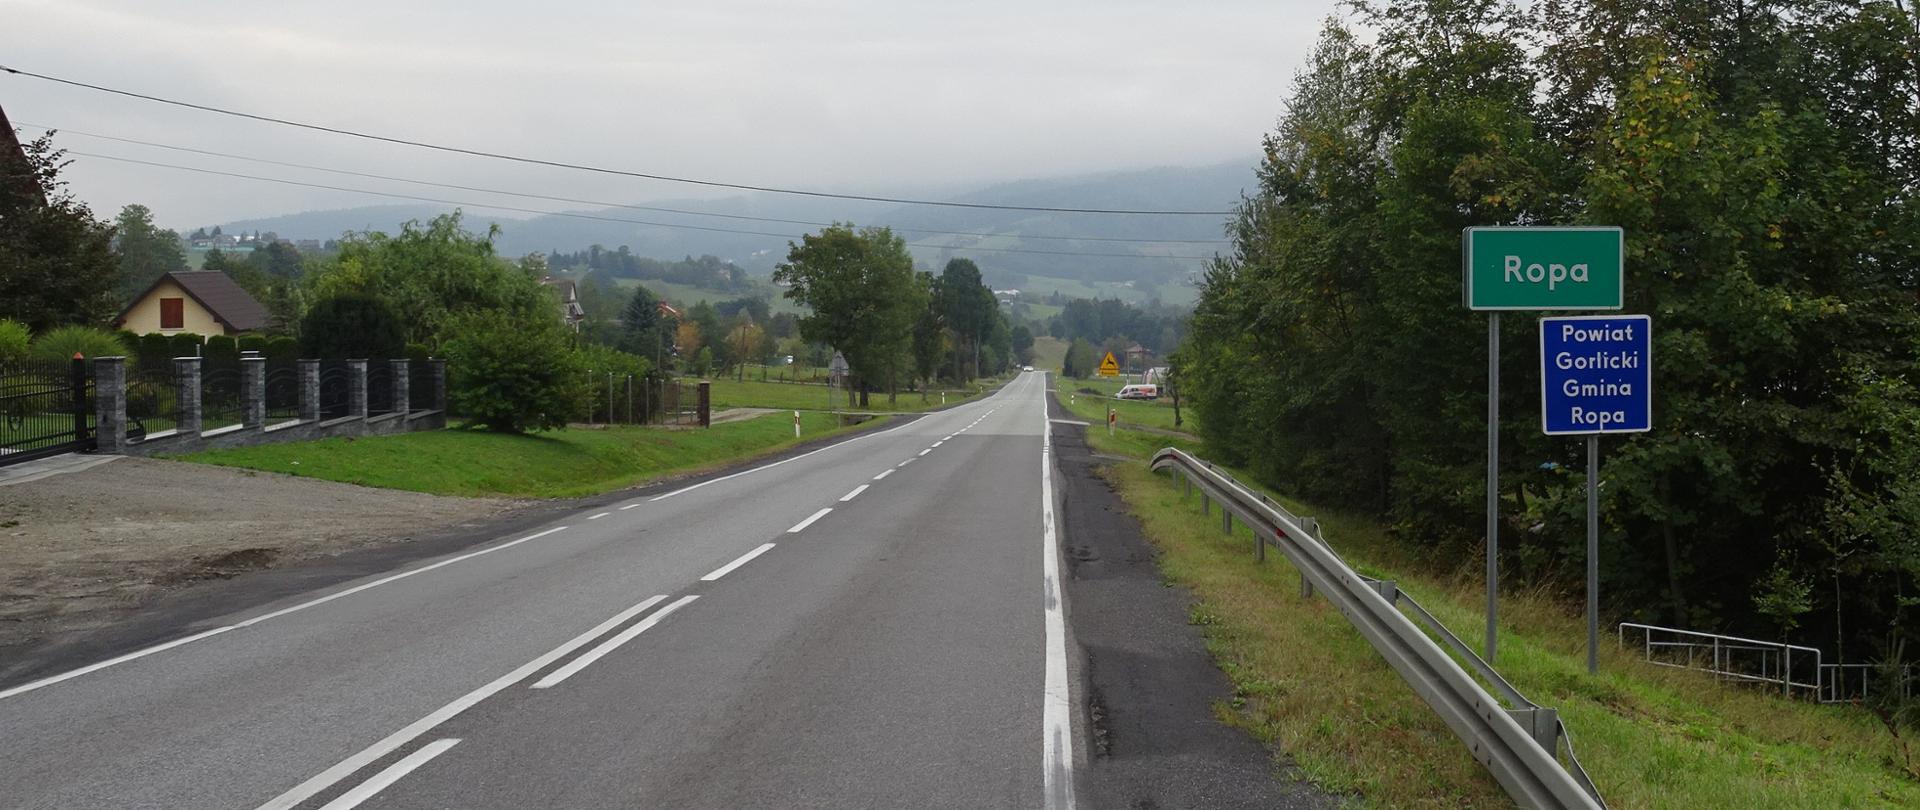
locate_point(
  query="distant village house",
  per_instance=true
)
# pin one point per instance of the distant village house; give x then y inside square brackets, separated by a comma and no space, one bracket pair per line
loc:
[201,303]
[571,312]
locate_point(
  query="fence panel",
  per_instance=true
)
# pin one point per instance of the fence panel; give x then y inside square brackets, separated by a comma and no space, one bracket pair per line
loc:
[283,392]
[336,389]
[223,398]
[38,404]
[379,387]
[152,399]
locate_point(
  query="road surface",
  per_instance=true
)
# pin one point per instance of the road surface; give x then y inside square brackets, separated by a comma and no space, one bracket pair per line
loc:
[877,623]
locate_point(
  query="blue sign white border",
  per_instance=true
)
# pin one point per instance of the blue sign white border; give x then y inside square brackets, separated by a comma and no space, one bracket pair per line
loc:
[1466,266]
[1645,319]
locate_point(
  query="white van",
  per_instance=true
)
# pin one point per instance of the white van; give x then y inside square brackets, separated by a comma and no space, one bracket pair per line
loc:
[1148,391]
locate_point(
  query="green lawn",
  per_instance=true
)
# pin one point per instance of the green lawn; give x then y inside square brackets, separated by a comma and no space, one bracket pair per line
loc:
[1307,684]
[727,393]
[1093,407]
[553,464]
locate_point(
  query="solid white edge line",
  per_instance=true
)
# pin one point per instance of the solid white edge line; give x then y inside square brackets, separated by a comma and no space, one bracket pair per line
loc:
[855,493]
[391,774]
[1057,705]
[598,516]
[739,561]
[372,753]
[798,527]
[883,474]
[142,653]
[780,462]
[629,634]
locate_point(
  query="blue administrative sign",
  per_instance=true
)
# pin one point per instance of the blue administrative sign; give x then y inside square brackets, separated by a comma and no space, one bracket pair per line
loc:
[1596,374]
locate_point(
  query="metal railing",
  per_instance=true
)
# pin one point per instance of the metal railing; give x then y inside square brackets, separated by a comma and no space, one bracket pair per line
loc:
[1516,740]
[1745,660]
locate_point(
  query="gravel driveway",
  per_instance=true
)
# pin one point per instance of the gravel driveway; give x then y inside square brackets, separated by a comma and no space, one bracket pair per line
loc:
[81,550]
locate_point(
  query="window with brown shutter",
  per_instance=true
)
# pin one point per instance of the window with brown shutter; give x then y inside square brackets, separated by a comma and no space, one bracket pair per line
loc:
[173,313]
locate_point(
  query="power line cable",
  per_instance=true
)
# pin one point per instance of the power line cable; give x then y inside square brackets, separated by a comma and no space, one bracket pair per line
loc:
[589,168]
[530,195]
[573,215]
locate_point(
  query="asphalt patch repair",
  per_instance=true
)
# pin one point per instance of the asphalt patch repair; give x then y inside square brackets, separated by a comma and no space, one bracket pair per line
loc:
[1151,686]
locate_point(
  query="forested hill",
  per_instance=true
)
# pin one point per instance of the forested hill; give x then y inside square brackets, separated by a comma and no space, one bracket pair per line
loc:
[1215,187]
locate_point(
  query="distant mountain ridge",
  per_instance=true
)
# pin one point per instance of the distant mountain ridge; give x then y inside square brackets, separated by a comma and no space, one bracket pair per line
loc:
[1140,271]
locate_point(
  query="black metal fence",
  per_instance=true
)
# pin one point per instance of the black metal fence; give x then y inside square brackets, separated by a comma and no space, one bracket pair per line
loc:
[153,406]
[336,389]
[45,409]
[379,388]
[223,396]
[282,392]
[420,386]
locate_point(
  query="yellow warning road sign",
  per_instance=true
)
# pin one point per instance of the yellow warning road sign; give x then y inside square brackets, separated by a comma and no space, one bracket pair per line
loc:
[1109,368]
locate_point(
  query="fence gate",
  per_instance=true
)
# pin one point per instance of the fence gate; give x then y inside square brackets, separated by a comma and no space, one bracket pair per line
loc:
[45,409]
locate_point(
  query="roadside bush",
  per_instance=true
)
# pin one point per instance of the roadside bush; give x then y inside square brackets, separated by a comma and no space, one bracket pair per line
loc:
[61,342]
[512,374]
[282,351]
[352,326]
[184,344]
[598,361]
[220,351]
[14,339]
[152,351]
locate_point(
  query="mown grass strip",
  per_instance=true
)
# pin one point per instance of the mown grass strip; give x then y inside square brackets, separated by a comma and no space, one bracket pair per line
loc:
[551,464]
[751,393]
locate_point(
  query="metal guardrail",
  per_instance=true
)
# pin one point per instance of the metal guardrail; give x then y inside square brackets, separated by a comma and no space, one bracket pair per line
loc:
[1516,741]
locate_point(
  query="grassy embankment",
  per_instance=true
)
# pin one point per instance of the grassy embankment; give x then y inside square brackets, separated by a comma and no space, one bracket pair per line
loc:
[1307,684]
[751,393]
[551,464]
[1049,353]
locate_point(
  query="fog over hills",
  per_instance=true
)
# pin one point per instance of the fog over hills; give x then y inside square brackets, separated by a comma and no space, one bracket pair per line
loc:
[1144,267]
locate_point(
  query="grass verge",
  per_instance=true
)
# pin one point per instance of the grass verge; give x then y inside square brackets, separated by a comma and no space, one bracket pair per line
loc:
[1307,684]
[750,393]
[551,464]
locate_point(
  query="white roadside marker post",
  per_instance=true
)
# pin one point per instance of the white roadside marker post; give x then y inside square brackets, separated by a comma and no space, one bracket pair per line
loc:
[796,424]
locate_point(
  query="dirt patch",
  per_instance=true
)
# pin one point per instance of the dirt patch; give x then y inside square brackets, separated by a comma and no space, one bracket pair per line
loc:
[82,550]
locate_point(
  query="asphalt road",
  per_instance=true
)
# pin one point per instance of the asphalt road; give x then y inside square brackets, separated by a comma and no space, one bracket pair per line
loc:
[877,623]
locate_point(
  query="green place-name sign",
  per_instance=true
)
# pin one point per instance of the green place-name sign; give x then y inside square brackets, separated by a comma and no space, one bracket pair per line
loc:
[1544,268]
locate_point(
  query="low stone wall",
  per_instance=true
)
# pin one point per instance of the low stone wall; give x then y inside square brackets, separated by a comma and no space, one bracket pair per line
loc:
[110,402]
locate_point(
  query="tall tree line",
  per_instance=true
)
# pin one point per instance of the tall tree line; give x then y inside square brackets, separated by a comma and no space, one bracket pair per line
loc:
[1763,158]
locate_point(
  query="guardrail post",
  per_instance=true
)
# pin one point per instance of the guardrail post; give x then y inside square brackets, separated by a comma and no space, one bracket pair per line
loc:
[1206,504]
[1226,522]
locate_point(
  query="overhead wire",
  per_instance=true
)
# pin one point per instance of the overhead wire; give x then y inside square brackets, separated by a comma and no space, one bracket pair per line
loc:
[591,168]
[577,215]
[579,201]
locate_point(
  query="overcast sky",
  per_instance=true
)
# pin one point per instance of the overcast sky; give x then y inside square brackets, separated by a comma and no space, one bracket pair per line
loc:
[898,96]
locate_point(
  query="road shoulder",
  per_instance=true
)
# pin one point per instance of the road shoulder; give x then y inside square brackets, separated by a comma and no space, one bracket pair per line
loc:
[1151,688]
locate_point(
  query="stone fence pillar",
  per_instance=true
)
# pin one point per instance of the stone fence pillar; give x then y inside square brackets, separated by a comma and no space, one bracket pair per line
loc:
[439,384]
[309,390]
[110,404]
[186,403]
[253,384]
[402,387]
[357,388]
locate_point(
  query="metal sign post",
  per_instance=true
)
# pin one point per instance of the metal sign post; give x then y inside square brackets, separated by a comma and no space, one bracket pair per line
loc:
[1531,268]
[1596,376]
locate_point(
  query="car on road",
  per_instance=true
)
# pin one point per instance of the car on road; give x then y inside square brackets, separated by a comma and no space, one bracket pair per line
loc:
[1026,368]
[1148,391]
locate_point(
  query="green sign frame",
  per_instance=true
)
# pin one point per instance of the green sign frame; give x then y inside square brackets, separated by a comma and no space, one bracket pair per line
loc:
[1511,267]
